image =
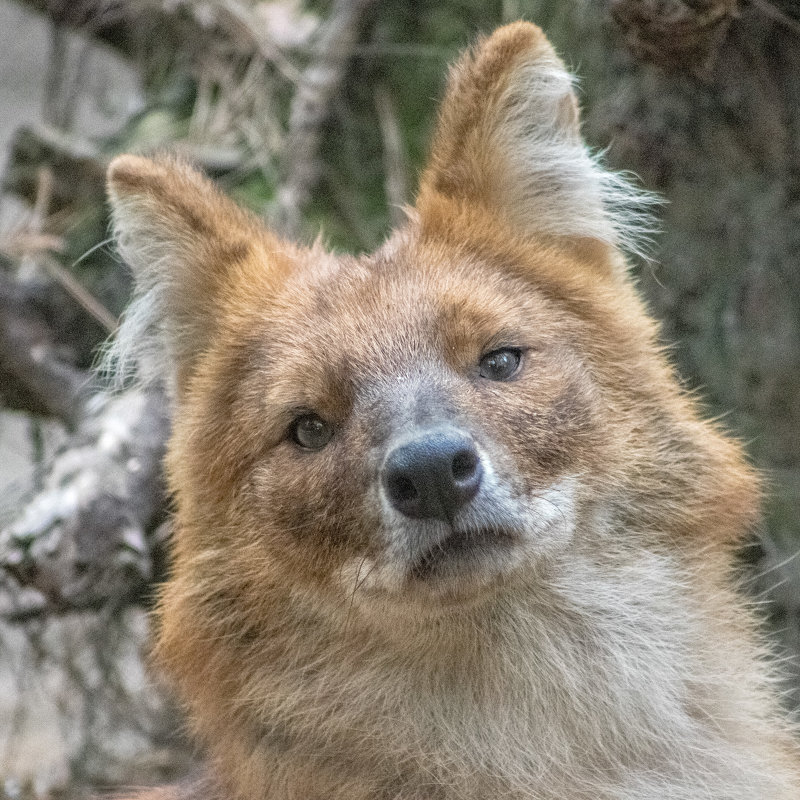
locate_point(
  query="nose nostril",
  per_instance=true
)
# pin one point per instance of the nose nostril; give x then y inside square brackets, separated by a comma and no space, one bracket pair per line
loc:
[432,475]
[402,489]
[464,465]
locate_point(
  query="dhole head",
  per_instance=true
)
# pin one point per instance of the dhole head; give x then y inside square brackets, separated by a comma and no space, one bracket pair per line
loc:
[442,420]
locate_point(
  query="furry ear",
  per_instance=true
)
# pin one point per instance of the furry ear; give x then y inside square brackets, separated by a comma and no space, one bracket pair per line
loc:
[508,139]
[183,239]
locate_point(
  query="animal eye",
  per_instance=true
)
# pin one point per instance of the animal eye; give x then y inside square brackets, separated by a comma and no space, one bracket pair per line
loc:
[500,365]
[311,432]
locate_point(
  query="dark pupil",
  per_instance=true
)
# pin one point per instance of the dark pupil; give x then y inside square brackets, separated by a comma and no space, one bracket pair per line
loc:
[312,432]
[500,364]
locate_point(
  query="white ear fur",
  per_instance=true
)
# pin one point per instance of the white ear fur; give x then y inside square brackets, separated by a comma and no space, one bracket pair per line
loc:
[509,137]
[144,346]
[177,233]
[557,186]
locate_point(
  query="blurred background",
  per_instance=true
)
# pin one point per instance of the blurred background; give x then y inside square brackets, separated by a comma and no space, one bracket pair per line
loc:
[317,115]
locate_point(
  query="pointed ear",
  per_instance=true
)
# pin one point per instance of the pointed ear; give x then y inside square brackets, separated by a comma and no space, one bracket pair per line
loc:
[183,239]
[508,139]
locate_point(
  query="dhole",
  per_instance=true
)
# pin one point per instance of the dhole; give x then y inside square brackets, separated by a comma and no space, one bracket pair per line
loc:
[446,525]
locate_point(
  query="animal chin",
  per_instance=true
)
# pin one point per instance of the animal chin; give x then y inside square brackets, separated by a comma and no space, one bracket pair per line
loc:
[463,553]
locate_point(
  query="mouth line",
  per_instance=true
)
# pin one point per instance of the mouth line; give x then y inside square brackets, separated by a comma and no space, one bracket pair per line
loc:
[460,550]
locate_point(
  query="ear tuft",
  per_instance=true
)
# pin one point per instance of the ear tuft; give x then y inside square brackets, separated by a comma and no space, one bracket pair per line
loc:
[508,139]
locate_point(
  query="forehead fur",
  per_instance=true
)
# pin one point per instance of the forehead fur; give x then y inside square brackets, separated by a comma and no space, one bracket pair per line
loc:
[421,292]
[396,306]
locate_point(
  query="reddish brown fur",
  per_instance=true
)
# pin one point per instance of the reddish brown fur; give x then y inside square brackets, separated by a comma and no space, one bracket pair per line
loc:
[303,683]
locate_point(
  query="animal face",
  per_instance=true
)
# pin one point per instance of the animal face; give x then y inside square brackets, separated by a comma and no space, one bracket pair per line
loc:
[441,418]
[424,419]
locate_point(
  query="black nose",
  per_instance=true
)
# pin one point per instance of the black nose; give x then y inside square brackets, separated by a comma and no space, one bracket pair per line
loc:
[433,475]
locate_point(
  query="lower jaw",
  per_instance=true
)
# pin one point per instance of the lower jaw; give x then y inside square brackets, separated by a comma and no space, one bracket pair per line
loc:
[389,593]
[455,590]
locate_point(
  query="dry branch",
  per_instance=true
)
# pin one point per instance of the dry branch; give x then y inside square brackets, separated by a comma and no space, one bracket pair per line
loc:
[395,163]
[77,169]
[82,541]
[34,372]
[310,109]
[134,26]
